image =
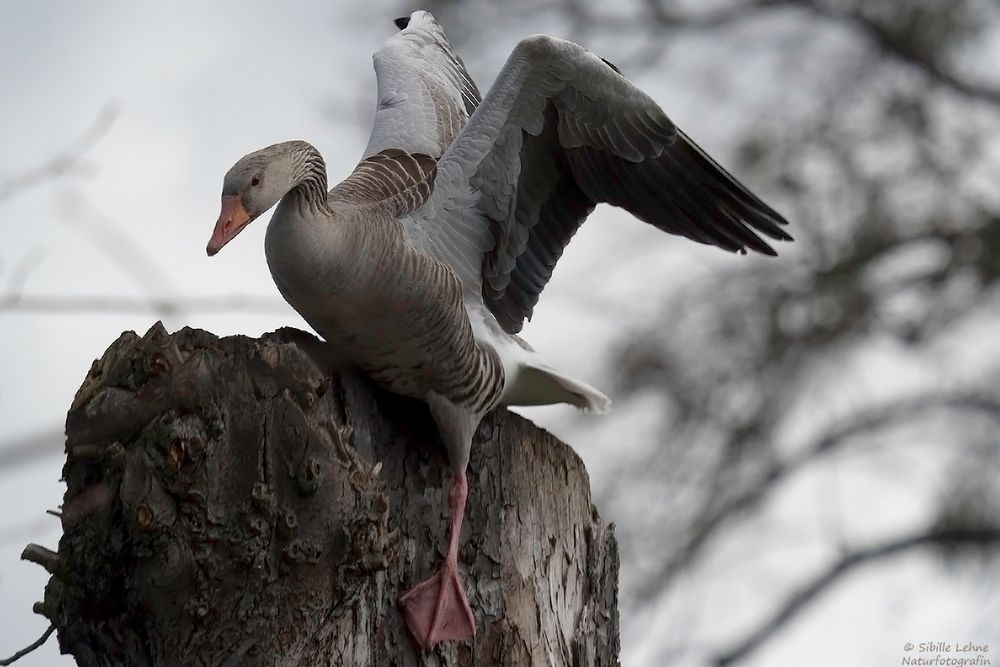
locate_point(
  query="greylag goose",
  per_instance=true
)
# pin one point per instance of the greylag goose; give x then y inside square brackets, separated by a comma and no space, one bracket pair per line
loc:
[423,264]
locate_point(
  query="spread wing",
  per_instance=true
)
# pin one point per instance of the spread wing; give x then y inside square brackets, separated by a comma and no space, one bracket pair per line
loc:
[559,132]
[425,97]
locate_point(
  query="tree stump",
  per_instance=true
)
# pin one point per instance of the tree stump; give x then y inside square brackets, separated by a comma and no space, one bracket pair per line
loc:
[235,501]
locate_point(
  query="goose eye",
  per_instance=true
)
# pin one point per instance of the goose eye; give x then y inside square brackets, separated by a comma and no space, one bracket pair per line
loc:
[255,181]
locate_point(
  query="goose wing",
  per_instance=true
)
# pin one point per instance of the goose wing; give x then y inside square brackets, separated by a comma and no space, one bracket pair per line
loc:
[560,131]
[424,98]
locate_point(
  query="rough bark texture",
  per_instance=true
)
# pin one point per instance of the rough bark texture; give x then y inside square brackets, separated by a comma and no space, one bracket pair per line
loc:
[233,502]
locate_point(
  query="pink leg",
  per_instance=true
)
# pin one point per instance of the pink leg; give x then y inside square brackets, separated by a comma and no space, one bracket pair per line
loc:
[437,609]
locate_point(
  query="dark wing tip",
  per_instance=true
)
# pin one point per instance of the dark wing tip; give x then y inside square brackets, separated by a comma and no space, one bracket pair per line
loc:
[744,214]
[784,236]
[764,249]
[402,22]
[768,225]
[751,226]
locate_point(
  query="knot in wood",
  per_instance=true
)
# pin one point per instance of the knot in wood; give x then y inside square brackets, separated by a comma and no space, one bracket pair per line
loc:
[145,518]
[307,479]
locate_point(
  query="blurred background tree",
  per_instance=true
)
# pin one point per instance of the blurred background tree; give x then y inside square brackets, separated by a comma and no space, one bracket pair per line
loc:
[869,349]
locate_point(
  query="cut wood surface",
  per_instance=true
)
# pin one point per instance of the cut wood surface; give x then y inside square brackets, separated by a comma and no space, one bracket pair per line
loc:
[236,501]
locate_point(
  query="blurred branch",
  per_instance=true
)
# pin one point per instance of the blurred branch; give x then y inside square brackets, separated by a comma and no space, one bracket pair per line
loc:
[30,448]
[21,270]
[899,49]
[114,241]
[68,161]
[658,15]
[142,268]
[847,563]
[29,648]
[662,17]
[712,519]
[62,305]
[715,18]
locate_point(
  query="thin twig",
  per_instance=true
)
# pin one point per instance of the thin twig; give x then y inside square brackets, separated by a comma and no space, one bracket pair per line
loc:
[28,649]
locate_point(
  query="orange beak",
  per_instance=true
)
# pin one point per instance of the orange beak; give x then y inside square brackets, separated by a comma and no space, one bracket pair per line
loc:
[231,222]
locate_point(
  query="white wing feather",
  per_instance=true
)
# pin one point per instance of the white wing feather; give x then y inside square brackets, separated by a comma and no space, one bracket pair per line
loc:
[424,93]
[450,225]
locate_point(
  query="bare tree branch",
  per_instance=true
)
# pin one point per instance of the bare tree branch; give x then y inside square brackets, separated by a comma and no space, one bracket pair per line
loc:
[899,50]
[29,648]
[711,520]
[68,161]
[667,20]
[846,564]
[30,448]
[21,270]
[63,305]
[115,242]
[660,16]
[712,19]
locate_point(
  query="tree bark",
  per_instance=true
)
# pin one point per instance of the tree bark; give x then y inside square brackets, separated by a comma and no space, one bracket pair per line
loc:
[236,502]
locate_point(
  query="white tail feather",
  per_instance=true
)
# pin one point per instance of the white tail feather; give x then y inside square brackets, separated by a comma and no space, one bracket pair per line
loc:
[544,385]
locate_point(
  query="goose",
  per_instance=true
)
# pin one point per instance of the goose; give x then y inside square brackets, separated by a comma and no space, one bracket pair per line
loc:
[422,265]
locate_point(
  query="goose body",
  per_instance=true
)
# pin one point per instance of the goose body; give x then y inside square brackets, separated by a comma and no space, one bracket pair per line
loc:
[385,306]
[423,264]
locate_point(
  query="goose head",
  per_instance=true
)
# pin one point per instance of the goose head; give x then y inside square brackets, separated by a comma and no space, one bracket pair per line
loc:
[252,186]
